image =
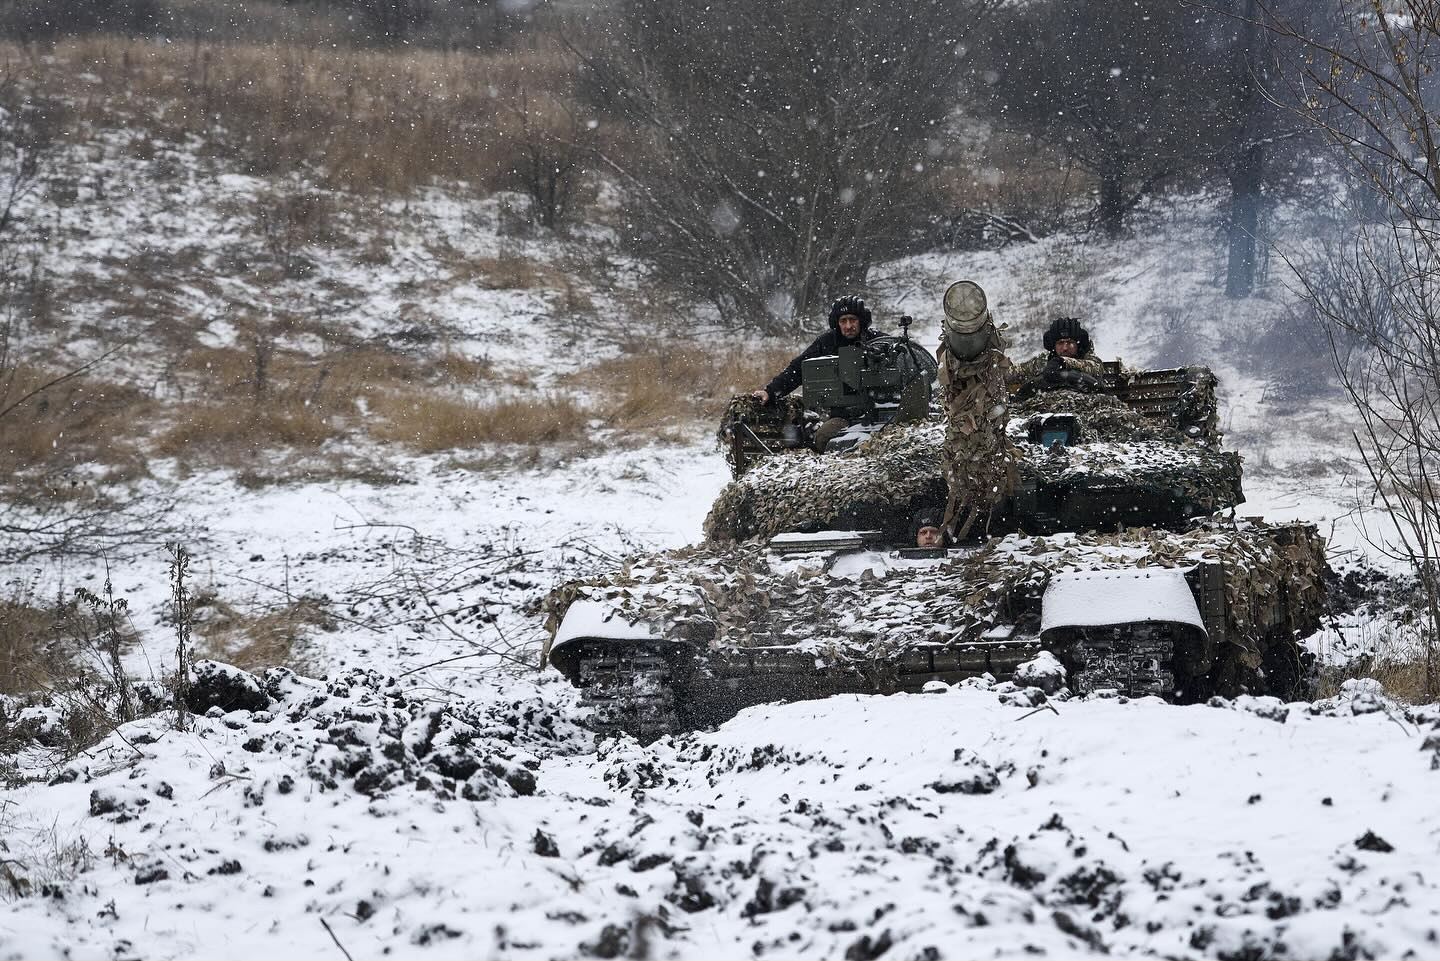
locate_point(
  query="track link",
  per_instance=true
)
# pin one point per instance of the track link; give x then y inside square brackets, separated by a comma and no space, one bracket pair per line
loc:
[631,691]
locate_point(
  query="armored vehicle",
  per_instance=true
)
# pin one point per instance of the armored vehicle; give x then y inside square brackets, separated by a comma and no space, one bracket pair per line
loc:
[1118,553]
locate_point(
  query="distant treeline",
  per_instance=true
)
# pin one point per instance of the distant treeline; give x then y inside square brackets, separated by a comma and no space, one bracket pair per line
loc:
[437,23]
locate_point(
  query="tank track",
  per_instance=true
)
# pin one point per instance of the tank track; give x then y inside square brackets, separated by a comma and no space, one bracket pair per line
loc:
[1137,661]
[631,690]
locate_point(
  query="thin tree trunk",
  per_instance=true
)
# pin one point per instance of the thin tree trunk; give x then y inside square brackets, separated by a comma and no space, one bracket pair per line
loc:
[1112,200]
[1245,177]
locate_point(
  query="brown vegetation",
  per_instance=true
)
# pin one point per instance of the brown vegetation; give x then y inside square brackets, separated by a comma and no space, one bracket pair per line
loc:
[1028,186]
[653,385]
[84,420]
[1404,678]
[272,638]
[29,660]
[241,401]
[430,422]
[352,119]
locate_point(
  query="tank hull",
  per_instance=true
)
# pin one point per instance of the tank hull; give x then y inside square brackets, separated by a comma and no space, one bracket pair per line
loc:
[727,627]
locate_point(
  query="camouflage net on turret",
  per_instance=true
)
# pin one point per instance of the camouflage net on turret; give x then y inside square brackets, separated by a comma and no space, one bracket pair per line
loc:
[875,486]
[1103,417]
[750,425]
[1190,473]
[722,595]
[880,484]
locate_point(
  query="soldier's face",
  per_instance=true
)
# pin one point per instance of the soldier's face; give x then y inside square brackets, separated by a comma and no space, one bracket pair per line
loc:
[929,537]
[849,326]
[1067,347]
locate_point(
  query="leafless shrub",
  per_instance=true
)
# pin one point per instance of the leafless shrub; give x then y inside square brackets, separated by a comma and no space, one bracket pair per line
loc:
[779,148]
[552,142]
[183,611]
[290,220]
[1371,92]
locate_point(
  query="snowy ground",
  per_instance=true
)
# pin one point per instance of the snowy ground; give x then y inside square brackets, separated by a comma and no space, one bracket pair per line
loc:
[409,807]
[912,826]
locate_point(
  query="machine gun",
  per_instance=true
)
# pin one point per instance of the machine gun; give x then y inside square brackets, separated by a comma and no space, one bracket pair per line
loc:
[885,379]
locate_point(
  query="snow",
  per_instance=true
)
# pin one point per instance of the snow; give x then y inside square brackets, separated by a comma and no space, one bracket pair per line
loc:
[587,619]
[1102,598]
[948,824]
[1109,827]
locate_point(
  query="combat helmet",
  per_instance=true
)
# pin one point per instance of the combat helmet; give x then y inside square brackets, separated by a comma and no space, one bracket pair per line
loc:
[1069,327]
[849,305]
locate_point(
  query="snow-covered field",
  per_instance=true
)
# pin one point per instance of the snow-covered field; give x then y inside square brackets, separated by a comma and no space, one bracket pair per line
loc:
[434,796]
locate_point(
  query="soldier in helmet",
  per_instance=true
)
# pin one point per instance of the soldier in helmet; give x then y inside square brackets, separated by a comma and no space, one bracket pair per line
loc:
[1069,360]
[849,324]
[927,528]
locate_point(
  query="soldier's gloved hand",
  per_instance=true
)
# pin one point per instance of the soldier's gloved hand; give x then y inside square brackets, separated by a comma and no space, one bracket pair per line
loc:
[1054,370]
[1077,380]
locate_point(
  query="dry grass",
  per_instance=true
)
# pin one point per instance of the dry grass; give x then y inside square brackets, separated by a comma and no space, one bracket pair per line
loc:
[272,638]
[654,385]
[80,421]
[428,422]
[508,271]
[244,400]
[237,435]
[1010,174]
[1404,678]
[356,119]
[29,658]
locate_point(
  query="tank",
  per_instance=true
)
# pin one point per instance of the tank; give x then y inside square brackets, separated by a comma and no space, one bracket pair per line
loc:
[1116,563]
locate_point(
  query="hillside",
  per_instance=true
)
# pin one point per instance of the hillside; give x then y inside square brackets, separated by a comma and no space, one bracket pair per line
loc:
[384,425]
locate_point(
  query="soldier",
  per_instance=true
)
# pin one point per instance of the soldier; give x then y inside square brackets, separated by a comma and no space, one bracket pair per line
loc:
[1069,361]
[849,324]
[927,528]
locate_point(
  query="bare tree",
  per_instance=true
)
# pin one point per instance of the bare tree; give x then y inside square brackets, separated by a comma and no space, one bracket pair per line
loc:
[782,145]
[1127,90]
[552,143]
[1373,92]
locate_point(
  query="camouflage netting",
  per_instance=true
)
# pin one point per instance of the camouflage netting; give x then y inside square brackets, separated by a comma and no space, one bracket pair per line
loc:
[1196,411]
[979,459]
[881,483]
[751,424]
[744,596]
[1189,472]
[875,486]
[1102,417]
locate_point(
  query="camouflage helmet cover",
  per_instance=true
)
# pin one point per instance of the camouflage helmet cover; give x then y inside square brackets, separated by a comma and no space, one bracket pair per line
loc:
[1069,328]
[849,305]
[966,309]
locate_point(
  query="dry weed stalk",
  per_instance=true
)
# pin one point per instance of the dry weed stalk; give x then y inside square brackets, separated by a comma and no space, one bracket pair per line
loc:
[184,611]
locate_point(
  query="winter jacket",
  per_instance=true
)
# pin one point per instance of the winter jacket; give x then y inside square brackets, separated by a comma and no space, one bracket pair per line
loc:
[827,344]
[1033,370]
